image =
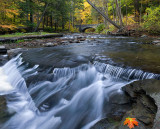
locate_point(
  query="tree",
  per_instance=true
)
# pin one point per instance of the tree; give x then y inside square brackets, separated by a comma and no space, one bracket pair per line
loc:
[107,18]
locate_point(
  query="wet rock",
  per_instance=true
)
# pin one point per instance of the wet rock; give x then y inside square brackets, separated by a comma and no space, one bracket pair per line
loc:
[50,44]
[105,124]
[14,52]
[82,39]
[3,59]
[3,110]
[128,114]
[3,50]
[74,41]
[144,36]
[146,97]
[64,42]
[119,98]
[156,41]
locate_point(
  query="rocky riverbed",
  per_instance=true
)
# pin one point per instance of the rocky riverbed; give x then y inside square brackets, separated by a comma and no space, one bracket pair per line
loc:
[141,100]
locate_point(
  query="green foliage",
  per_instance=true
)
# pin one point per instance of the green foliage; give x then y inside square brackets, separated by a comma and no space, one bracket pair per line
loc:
[30,24]
[49,29]
[100,28]
[152,20]
[20,41]
[110,29]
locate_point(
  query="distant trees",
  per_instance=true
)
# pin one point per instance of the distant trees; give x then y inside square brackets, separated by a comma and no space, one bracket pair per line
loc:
[129,13]
[38,13]
[8,14]
[64,14]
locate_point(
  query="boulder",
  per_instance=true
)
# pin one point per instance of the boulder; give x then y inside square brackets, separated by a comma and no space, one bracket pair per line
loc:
[145,95]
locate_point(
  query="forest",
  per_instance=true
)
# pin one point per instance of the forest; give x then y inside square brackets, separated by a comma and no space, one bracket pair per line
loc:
[62,16]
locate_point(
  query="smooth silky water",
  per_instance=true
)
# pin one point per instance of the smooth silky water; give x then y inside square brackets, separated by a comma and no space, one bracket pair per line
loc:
[65,87]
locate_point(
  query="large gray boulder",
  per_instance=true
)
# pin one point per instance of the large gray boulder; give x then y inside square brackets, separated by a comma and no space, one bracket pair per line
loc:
[145,102]
[145,95]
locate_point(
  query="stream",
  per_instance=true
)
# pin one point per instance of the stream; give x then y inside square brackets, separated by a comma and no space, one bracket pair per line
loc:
[73,86]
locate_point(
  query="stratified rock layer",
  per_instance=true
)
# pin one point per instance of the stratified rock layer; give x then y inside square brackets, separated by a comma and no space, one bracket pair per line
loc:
[145,99]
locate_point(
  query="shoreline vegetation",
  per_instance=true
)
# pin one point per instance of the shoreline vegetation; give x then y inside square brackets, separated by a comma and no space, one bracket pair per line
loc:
[137,17]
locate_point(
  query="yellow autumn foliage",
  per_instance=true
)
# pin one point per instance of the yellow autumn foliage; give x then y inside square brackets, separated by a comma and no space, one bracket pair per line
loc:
[70,28]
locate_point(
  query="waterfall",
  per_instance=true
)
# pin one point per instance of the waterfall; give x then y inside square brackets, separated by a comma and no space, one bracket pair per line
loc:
[124,73]
[72,98]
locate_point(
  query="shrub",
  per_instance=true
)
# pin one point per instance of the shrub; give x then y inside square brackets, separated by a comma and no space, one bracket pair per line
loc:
[72,29]
[152,20]
[100,28]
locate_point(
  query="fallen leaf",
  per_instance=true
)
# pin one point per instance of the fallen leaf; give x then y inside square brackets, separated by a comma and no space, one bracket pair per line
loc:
[131,122]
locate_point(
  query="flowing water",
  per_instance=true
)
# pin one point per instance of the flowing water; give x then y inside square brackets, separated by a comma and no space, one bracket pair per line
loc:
[65,87]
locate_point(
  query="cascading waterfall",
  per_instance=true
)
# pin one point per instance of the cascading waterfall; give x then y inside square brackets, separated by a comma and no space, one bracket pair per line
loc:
[72,99]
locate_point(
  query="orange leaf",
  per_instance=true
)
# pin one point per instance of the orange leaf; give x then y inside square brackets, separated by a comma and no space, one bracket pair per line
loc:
[131,122]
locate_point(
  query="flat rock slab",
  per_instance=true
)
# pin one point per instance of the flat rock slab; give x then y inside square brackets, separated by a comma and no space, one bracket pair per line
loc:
[3,50]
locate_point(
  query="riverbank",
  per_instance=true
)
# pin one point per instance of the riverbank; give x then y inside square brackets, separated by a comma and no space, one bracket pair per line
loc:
[23,37]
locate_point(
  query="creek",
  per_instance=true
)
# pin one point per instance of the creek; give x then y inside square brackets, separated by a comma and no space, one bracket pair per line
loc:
[73,86]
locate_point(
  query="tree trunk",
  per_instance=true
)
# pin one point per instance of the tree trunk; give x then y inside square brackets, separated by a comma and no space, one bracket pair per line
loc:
[126,15]
[119,12]
[137,11]
[107,18]
[31,11]
[44,20]
[41,17]
[62,23]
[55,25]
[141,13]
[113,12]
[47,21]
